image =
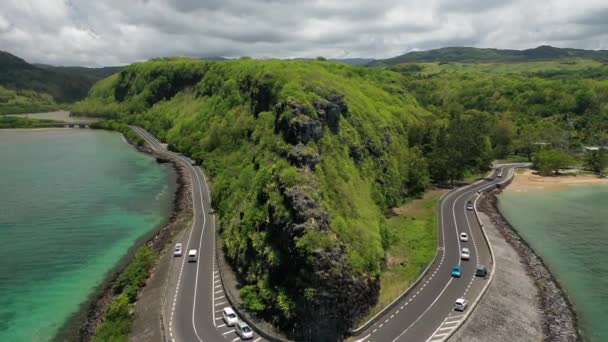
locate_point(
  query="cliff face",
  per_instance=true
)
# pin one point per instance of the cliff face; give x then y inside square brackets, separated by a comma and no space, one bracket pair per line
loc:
[304,158]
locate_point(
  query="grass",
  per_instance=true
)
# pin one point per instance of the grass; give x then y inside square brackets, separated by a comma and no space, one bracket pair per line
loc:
[413,241]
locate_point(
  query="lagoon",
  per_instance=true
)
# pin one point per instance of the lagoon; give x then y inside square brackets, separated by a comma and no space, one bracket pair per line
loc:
[73,202]
[568,228]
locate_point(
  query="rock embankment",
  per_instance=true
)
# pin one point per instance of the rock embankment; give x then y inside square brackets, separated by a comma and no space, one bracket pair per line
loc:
[524,302]
[181,214]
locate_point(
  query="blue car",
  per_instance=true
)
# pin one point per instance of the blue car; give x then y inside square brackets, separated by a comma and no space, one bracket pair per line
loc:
[456,271]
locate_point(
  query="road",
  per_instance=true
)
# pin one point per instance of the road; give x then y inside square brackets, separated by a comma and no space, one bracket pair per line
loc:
[426,312]
[195,295]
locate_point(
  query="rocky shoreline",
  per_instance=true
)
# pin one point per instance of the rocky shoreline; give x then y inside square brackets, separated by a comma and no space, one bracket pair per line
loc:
[181,214]
[559,319]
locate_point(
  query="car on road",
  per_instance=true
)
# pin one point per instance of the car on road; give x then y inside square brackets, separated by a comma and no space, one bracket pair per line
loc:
[464,237]
[469,206]
[465,254]
[192,255]
[499,175]
[244,331]
[461,304]
[481,271]
[229,316]
[456,271]
[178,251]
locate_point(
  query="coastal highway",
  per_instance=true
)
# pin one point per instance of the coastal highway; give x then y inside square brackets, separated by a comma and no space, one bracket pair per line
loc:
[426,312]
[195,295]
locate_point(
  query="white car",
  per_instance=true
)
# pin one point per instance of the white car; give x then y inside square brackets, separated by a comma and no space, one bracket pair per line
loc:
[465,254]
[461,304]
[178,251]
[244,331]
[192,255]
[464,237]
[229,316]
[469,206]
[499,175]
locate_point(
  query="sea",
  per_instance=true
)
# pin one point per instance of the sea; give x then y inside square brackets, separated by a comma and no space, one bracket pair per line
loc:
[73,204]
[568,228]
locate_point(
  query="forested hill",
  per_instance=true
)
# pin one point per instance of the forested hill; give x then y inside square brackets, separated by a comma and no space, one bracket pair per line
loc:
[476,55]
[305,158]
[64,84]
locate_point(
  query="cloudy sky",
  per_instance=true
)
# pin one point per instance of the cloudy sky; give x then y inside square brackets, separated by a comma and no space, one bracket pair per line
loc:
[113,32]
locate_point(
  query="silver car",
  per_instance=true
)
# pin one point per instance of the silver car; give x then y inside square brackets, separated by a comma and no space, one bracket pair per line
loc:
[244,331]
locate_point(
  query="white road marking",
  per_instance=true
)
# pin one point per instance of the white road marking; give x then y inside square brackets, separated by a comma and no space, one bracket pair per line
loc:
[236,339]
[220,304]
[221,326]
[228,332]
[142,134]
[258,339]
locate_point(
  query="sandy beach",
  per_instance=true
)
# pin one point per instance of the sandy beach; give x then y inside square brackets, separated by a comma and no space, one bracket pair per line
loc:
[528,181]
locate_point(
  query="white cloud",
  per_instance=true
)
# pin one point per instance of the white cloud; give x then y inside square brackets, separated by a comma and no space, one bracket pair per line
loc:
[119,32]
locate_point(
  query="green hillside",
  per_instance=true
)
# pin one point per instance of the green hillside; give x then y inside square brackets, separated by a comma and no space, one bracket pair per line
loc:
[25,101]
[477,55]
[305,158]
[64,84]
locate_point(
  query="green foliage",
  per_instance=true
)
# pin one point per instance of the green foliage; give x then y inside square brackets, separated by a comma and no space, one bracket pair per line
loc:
[116,325]
[597,161]
[7,121]
[549,161]
[305,157]
[135,274]
[113,125]
[64,84]
[117,321]
[25,101]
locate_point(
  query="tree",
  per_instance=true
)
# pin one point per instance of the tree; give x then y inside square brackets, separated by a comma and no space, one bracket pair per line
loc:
[597,161]
[502,138]
[550,161]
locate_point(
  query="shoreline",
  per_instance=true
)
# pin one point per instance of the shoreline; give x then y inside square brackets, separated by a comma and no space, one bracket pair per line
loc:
[528,181]
[559,317]
[82,325]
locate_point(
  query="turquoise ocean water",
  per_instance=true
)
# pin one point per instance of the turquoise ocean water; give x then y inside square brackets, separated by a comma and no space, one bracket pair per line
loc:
[72,203]
[568,228]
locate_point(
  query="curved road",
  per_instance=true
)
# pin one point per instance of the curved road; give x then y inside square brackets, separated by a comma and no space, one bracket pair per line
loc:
[426,312]
[195,296]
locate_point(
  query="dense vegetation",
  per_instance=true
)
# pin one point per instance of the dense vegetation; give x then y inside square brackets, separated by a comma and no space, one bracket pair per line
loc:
[7,121]
[476,55]
[118,319]
[552,105]
[24,101]
[63,84]
[307,157]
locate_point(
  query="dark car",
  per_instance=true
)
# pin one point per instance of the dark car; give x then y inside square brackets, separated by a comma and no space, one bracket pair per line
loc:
[481,271]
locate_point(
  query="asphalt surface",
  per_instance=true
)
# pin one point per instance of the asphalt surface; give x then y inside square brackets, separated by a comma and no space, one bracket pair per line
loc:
[195,296]
[426,312]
